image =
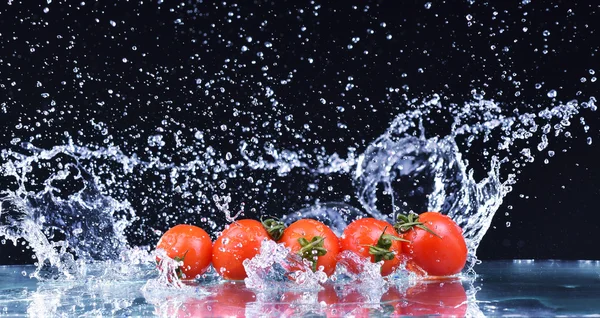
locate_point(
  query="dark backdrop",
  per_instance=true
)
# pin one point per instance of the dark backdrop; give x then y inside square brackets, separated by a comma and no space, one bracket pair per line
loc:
[149,55]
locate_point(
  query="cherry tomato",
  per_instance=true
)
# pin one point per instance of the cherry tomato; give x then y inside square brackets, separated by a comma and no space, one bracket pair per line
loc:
[309,239]
[189,244]
[435,298]
[239,241]
[366,238]
[441,254]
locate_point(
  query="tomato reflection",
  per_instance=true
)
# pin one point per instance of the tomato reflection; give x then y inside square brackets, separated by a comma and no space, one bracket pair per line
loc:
[297,303]
[228,299]
[445,298]
[232,299]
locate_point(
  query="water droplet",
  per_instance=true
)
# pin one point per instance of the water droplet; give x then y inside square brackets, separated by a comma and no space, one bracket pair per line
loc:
[552,93]
[546,33]
[469,17]
[427,5]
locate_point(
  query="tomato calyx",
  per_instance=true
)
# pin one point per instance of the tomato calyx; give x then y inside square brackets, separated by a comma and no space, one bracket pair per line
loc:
[381,251]
[312,249]
[274,228]
[178,259]
[407,222]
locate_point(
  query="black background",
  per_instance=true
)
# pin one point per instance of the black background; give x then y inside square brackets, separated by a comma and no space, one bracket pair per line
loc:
[445,49]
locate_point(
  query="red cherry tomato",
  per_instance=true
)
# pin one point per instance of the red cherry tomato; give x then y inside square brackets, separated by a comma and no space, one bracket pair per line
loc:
[312,239]
[365,238]
[239,241]
[189,244]
[442,254]
[435,298]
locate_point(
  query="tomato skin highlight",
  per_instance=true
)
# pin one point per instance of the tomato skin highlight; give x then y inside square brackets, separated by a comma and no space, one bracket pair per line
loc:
[190,244]
[437,256]
[365,232]
[308,229]
[239,241]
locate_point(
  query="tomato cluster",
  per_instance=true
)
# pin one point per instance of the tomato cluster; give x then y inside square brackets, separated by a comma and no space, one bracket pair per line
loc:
[429,243]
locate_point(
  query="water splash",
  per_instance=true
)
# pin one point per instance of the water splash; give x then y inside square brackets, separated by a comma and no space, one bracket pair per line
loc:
[275,266]
[64,219]
[390,167]
[63,208]
[400,172]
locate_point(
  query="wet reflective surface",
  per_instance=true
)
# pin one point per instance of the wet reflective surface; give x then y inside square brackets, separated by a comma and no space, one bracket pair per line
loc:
[539,288]
[501,288]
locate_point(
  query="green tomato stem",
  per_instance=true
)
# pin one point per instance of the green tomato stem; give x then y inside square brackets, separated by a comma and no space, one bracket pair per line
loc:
[407,222]
[274,228]
[381,251]
[312,249]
